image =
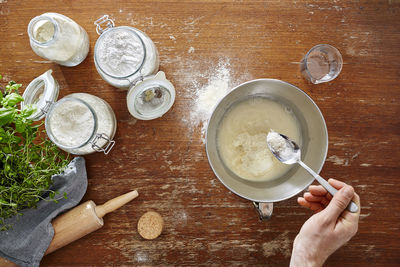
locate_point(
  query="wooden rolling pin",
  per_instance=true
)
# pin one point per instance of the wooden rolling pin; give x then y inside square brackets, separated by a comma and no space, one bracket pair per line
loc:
[84,219]
[80,221]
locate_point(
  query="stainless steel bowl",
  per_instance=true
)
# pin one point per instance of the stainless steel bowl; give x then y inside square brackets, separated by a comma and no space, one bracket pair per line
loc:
[314,145]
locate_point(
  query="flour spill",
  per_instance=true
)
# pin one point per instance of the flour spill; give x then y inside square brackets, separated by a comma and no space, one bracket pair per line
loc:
[280,245]
[209,95]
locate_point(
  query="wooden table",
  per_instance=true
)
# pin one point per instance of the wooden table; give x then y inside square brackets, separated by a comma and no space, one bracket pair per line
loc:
[165,158]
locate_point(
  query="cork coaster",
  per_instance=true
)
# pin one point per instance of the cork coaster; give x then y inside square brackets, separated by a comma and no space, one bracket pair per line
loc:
[150,225]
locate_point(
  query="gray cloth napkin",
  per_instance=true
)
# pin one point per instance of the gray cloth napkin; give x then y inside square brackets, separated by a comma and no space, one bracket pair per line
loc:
[31,233]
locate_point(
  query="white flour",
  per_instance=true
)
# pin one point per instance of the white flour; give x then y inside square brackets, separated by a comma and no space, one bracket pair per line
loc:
[72,122]
[63,41]
[120,53]
[43,31]
[121,57]
[208,96]
[278,143]
[242,138]
[106,121]
[255,158]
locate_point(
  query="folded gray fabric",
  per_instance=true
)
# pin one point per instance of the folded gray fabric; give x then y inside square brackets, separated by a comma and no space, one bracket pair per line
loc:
[31,233]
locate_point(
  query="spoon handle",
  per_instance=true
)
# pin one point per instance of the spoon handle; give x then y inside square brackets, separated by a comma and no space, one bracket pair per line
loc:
[352,207]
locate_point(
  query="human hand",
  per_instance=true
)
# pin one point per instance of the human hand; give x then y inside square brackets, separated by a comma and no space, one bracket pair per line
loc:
[327,230]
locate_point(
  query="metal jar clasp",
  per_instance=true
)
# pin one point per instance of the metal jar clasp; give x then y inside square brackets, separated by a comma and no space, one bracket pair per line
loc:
[46,107]
[106,148]
[104,21]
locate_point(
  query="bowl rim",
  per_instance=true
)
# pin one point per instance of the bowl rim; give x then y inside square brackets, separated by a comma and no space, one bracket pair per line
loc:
[317,171]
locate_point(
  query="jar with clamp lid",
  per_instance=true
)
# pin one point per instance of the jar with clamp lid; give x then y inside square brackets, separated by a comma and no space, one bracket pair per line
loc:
[123,55]
[58,38]
[151,97]
[79,123]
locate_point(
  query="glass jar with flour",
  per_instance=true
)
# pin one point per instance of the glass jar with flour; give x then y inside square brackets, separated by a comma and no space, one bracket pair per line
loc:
[127,58]
[78,123]
[58,38]
[123,55]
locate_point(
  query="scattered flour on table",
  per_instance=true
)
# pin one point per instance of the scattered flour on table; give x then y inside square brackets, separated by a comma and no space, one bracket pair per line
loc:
[208,96]
[142,257]
[337,161]
[203,85]
[280,245]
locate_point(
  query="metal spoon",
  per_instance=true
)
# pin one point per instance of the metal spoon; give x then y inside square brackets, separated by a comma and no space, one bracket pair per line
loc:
[291,154]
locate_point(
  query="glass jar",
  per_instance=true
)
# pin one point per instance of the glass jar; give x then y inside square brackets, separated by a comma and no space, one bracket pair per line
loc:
[123,55]
[79,123]
[151,97]
[58,38]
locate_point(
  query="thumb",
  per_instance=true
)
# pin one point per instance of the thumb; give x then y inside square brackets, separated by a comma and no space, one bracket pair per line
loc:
[340,201]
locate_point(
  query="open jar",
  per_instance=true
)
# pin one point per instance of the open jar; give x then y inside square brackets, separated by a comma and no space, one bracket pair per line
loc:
[123,54]
[58,38]
[151,97]
[127,58]
[79,123]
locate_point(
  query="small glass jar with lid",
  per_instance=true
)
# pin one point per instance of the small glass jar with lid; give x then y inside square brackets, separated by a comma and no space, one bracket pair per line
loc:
[123,55]
[127,58]
[59,39]
[151,97]
[79,123]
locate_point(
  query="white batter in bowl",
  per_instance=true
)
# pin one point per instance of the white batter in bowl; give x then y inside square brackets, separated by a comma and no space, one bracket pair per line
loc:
[242,137]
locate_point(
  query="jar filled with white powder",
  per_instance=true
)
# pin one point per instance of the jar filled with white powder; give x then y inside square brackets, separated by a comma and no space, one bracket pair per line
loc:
[123,55]
[59,39]
[79,123]
[127,58]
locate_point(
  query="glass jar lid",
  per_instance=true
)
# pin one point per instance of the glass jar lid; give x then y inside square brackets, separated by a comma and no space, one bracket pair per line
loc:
[42,92]
[151,98]
[119,52]
[71,123]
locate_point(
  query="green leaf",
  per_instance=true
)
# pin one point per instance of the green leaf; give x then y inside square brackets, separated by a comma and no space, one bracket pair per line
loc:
[6,115]
[7,168]
[16,86]
[12,86]
[15,140]
[65,195]
[2,202]
[12,99]
[28,110]
[20,126]
[2,133]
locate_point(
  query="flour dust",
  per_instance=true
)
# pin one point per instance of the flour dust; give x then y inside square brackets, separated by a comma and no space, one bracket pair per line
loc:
[207,95]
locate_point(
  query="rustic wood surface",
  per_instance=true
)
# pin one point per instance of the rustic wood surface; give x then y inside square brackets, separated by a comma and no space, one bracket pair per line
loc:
[165,159]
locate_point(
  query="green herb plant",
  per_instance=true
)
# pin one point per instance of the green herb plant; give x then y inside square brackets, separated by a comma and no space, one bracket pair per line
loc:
[28,159]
